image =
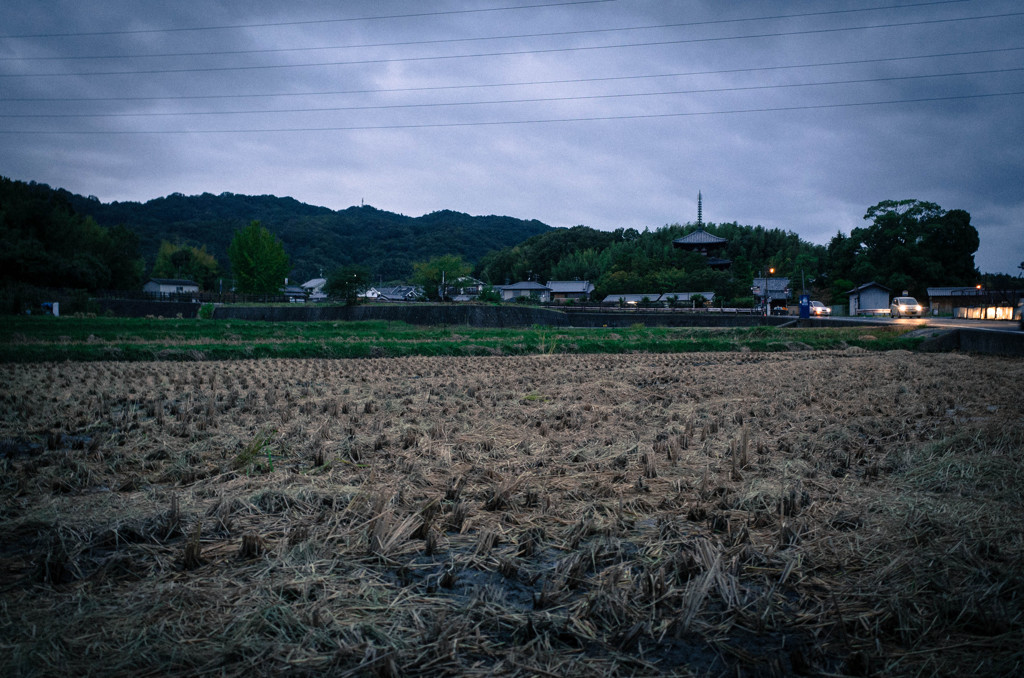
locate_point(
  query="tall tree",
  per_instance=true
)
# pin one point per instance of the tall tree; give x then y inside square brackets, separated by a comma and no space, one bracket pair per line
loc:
[346,282]
[909,245]
[184,261]
[258,260]
[438,270]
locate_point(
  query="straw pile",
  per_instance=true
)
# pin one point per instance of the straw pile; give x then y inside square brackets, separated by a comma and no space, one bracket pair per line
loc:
[743,514]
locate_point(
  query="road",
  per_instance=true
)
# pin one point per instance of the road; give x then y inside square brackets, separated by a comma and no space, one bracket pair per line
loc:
[947,323]
[962,323]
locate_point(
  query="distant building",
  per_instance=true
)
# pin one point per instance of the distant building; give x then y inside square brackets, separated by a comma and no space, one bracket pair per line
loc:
[671,299]
[955,301]
[631,299]
[774,291]
[526,288]
[465,288]
[168,286]
[684,298]
[315,289]
[564,290]
[294,293]
[398,293]
[705,243]
[868,298]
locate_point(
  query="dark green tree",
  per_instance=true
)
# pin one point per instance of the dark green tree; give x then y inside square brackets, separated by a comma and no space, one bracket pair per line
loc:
[258,260]
[347,282]
[184,261]
[431,274]
[909,245]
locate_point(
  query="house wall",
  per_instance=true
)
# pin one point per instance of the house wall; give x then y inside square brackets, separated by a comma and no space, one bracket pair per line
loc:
[511,295]
[155,288]
[874,298]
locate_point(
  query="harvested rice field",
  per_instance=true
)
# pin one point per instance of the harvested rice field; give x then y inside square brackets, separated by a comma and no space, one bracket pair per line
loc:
[743,514]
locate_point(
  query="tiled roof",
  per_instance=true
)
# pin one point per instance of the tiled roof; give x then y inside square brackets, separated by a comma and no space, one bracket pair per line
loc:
[956,292]
[630,298]
[699,237]
[685,296]
[569,286]
[774,284]
[866,286]
[524,285]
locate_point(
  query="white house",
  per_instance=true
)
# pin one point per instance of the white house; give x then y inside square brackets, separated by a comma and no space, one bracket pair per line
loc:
[166,286]
[371,293]
[526,288]
[315,289]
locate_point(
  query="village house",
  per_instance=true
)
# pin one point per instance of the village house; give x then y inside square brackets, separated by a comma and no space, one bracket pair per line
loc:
[869,298]
[773,291]
[315,289]
[526,288]
[686,299]
[565,290]
[465,288]
[162,287]
[398,293]
[631,300]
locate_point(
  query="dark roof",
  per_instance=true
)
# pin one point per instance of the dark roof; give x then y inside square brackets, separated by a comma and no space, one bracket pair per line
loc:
[717,262]
[173,281]
[775,284]
[398,292]
[685,296]
[525,285]
[631,298]
[570,286]
[699,237]
[960,291]
[867,285]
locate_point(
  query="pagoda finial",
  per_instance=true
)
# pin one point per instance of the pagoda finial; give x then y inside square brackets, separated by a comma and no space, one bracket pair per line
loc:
[700,211]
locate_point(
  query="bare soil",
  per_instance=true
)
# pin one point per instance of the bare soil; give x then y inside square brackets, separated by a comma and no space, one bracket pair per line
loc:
[812,513]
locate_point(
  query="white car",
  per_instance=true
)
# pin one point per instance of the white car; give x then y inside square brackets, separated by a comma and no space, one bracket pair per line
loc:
[818,308]
[905,306]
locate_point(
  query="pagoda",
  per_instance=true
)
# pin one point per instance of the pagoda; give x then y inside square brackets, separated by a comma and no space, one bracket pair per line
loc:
[702,242]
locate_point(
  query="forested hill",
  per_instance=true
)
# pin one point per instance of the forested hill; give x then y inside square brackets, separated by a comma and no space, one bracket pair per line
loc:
[315,238]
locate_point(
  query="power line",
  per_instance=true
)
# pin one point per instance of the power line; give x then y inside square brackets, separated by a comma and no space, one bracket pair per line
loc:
[415,15]
[514,52]
[641,116]
[525,83]
[689,24]
[589,97]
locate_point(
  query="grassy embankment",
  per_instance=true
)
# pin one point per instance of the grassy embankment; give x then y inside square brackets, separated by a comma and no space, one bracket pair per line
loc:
[83,339]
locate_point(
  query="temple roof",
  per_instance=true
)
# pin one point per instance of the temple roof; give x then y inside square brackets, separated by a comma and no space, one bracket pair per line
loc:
[699,237]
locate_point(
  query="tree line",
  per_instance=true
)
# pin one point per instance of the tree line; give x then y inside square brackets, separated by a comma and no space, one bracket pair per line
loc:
[48,241]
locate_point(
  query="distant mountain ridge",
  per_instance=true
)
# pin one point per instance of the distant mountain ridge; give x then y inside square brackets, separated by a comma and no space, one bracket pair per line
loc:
[316,238]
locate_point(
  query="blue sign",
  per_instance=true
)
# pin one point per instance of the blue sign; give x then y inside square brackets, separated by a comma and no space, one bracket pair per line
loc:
[805,306]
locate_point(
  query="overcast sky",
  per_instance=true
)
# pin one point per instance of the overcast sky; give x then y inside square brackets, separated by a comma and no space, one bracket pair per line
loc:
[796,115]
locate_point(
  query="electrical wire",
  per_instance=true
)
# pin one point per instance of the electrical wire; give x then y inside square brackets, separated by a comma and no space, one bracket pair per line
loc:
[593,31]
[589,97]
[659,43]
[310,22]
[478,123]
[524,83]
